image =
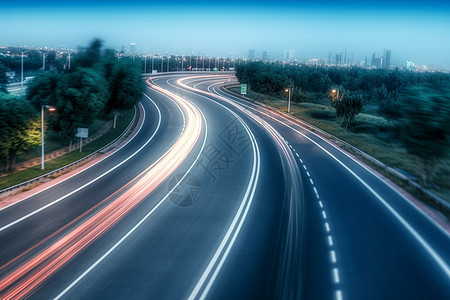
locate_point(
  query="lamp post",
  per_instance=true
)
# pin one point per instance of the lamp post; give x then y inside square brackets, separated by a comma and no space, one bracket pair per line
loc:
[153,57]
[21,73]
[50,108]
[335,94]
[43,61]
[182,58]
[289,101]
[145,64]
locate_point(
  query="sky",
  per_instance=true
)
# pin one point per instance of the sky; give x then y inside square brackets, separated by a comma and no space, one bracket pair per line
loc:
[413,30]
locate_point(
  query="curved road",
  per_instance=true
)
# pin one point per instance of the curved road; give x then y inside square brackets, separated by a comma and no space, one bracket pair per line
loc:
[219,198]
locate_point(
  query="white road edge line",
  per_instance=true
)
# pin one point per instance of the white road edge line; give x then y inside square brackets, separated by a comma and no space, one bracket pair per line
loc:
[93,180]
[437,258]
[96,263]
[235,227]
[59,182]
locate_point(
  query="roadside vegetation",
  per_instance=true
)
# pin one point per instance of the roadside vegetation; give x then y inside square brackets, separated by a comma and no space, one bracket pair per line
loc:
[97,88]
[399,117]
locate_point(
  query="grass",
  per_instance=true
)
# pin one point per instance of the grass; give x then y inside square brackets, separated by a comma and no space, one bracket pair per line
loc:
[370,133]
[33,172]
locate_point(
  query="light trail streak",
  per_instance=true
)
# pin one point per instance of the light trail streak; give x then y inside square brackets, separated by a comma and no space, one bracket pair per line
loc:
[28,277]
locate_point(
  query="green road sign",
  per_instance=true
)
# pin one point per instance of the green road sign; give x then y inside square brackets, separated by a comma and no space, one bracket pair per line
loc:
[243,89]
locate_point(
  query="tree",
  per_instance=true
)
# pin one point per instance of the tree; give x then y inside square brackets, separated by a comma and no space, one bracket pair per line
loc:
[425,131]
[42,89]
[347,106]
[126,87]
[3,79]
[90,57]
[81,96]
[20,128]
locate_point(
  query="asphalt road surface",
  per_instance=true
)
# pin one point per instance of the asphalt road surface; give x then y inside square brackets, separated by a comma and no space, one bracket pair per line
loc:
[219,198]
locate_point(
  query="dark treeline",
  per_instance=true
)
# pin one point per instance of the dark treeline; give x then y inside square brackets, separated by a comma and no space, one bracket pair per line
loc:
[373,84]
[97,86]
[417,105]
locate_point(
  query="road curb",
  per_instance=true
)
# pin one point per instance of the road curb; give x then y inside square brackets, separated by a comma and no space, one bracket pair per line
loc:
[9,191]
[437,202]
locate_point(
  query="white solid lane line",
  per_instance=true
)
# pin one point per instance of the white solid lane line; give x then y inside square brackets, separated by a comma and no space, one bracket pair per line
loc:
[436,257]
[214,266]
[93,180]
[107,253]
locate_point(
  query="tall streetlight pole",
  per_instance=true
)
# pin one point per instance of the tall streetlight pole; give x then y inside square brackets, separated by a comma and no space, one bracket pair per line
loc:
[182,58]
[145,64]
[203,66]
[162,63]
[168,61]
[69,60]
[50,108]
[153,57]
[289,101]
[43,61]
[21,73]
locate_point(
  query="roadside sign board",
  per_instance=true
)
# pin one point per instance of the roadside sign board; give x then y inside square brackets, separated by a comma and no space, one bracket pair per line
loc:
[243,89]
[82,133]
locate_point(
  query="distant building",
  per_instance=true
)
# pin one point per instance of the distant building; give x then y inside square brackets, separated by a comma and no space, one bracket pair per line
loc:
[285,54]
[132,48]
[251,54]
[338,58]
[291,55]
[376,61]
[387,59]
[266,55]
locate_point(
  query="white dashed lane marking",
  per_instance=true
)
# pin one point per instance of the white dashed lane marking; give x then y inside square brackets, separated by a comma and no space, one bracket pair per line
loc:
[333,259]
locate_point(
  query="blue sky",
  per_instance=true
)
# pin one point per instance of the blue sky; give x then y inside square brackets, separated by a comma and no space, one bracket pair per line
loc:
[413,30]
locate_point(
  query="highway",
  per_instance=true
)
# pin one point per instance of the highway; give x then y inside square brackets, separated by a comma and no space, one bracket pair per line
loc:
[219,198]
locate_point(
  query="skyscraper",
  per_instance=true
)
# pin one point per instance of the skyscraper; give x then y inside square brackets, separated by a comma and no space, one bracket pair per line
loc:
[376,61]
[338,58]
[251,54]
[387,59]
[132,48]
[291,55]
[266,55]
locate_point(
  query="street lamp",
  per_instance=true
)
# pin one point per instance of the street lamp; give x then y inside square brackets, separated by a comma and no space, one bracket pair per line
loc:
[43,61]
[335,94]
[21,73]
[145,64]
[153,57]
[289,101]
[50,108]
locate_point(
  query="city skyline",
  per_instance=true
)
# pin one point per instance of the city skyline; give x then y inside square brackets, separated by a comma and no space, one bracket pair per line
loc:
[412,30]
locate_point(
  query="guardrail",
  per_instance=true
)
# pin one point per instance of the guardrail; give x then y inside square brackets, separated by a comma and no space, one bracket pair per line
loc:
[9,190]
[439,202]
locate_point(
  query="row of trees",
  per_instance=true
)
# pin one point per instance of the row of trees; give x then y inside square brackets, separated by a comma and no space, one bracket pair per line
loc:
[373,84]
[98,85]
[417,104]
